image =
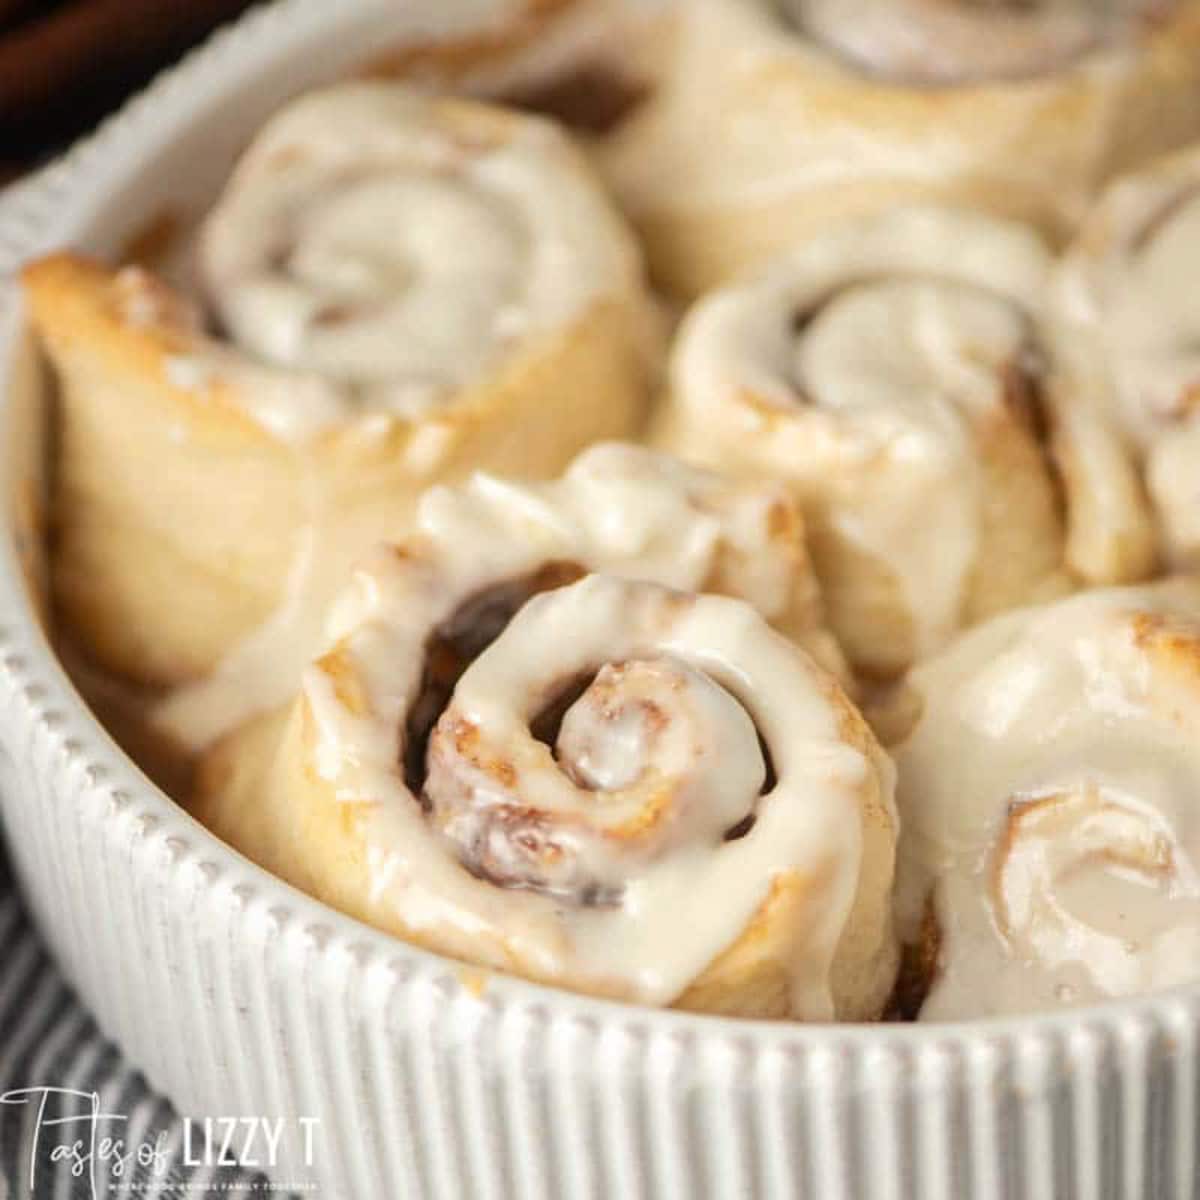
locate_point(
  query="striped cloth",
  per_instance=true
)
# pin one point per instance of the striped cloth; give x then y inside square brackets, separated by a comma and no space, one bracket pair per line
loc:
[48,1040]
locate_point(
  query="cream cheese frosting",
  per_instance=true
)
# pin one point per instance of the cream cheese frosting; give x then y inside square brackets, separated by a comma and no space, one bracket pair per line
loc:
[768,123]
[841,66]
[386,248]
[863,368]
[1048,799]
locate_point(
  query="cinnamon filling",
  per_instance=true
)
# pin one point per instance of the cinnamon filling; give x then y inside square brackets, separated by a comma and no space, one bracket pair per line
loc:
[1022,383]
[919,964]
[641,768]
[547,725]
[593,97]
[456,643]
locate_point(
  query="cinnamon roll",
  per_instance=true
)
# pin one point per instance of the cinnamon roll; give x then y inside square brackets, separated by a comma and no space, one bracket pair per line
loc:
[769,122]
[604,781]
[893,375]
[1048,796]
[1124,296]
[393,290]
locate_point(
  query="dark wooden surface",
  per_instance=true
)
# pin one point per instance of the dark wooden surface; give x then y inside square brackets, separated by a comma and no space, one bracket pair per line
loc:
[65,63]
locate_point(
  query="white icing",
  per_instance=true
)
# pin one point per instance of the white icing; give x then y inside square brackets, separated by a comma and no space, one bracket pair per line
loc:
[652,758]
[1127,299]
[735,673]
[1048,799]
[378,250]
[669,714]
[959,41]
[617,508]
[861,368]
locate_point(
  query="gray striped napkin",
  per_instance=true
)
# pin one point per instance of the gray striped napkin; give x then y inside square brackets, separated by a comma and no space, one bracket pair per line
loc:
[48,1041]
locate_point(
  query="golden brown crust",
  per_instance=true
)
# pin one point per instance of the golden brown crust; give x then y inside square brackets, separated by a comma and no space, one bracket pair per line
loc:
[77,302]
[1022,551]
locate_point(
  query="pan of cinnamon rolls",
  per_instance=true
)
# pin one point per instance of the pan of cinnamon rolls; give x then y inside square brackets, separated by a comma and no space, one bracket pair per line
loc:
[669,529]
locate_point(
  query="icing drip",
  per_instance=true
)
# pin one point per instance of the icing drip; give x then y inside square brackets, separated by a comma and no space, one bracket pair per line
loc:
[389,269]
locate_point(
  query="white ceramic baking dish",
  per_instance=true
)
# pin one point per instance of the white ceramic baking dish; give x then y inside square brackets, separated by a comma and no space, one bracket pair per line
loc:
[238,996]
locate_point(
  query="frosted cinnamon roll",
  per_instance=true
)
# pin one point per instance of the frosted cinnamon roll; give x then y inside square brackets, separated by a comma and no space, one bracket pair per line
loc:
[769,122]
[393,290]
[1124,293]
[892,375]
[1048,796]
[592,780]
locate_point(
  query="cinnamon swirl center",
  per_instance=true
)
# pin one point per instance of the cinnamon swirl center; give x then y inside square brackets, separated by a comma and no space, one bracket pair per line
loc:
[922,353]
[1050,796]
[457,642]
[649,756]
[1093,879]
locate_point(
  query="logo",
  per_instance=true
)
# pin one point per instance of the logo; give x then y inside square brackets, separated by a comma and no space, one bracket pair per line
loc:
[72,1133]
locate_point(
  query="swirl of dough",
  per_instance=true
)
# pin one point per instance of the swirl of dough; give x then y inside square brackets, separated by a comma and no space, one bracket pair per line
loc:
[617,750]
[400,263]
[1125,295]
[893,376]
[538,732]
[1051,838]
[966,41]
[652,757]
